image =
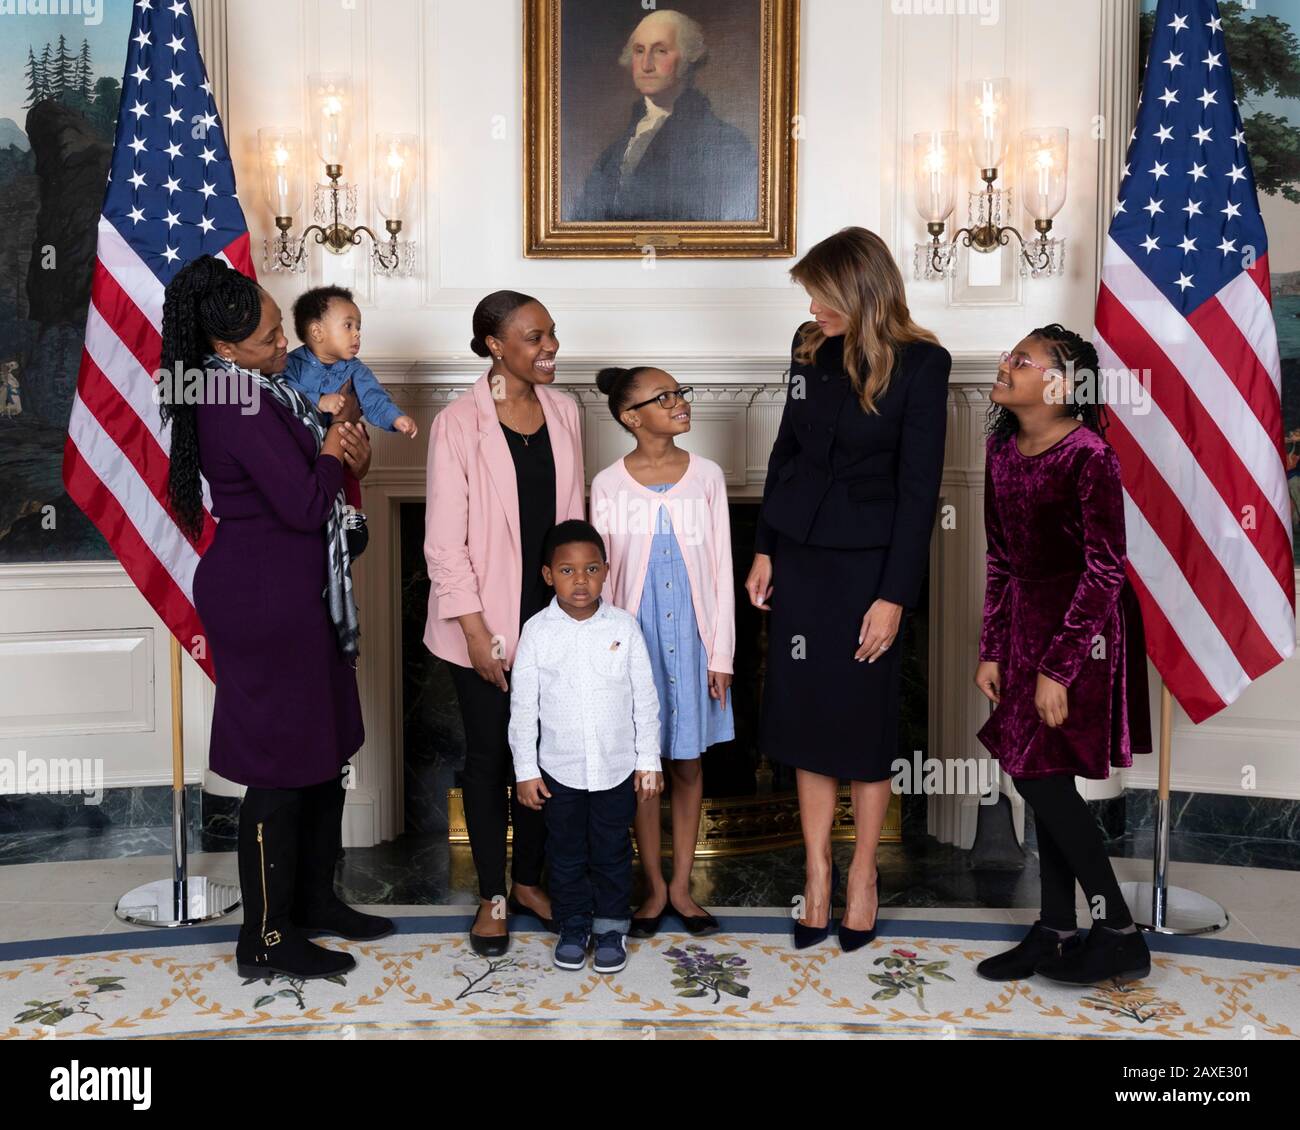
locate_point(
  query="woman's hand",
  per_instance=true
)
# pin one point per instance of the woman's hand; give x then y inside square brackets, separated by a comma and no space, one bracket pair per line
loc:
[1049,698]
[356,449]
[759,582]
[988,677]
[332,444]
[719,681]
[483,657]
[879,628]
[350,410]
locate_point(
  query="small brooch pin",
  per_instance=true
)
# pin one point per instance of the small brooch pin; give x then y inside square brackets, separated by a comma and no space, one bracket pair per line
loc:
[615,645]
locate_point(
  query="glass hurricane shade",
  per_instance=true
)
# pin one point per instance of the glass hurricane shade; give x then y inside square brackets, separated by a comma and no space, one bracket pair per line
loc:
[330,103]
[280,152]
[1044,161]
[934,164]
[394,173]
[988,106]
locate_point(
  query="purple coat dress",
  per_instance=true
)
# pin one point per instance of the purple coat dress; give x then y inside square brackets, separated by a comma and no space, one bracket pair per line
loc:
[286,713]
[1058,602]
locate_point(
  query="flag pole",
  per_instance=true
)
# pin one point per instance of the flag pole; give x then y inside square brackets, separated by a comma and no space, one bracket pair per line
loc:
[1157,906]
[184,899]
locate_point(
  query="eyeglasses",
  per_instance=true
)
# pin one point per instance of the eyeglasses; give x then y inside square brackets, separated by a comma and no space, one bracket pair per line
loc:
[1020,361]
[669,399]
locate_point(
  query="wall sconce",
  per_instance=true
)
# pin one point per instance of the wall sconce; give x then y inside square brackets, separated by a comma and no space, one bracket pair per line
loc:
[1044,157]
[334,205]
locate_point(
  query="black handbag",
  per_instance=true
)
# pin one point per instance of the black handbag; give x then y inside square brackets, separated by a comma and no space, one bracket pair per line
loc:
[355,530]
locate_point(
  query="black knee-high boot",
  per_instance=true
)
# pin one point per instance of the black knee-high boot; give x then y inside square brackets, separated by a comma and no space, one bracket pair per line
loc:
[316,907]
[269,943]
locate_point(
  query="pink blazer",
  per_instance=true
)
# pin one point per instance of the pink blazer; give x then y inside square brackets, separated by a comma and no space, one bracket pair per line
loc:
[626,514]
[471,524]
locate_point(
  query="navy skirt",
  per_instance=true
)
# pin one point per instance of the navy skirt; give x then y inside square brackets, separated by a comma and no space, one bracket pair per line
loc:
[822,710]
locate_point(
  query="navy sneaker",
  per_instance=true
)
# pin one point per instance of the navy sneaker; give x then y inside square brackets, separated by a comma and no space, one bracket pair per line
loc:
[611,955]
[571,949]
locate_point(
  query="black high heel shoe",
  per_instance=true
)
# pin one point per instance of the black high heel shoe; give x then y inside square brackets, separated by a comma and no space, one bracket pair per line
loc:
[851,939]
[805,936]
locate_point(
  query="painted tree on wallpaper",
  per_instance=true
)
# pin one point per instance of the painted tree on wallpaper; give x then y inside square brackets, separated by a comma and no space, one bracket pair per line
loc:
[61,79]
[1263,42]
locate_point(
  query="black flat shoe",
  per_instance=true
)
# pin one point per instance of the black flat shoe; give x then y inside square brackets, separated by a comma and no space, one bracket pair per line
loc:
[1105,955]
[646,927]
[805,936]
[1022,960]
[494,946]
[850,939]
[698,925]
[514,906]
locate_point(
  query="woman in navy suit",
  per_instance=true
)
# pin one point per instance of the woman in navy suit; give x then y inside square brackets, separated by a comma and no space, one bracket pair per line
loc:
[842,550]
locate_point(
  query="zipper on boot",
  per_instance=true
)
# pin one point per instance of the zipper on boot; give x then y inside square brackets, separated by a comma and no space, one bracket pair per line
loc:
[273,938]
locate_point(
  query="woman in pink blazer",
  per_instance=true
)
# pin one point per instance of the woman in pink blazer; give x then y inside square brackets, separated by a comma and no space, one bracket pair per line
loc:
[505,464]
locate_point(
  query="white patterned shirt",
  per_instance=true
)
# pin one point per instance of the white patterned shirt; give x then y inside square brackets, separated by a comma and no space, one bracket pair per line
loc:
[589,688]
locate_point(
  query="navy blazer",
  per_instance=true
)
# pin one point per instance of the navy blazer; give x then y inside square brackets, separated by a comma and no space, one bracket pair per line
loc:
[841,478]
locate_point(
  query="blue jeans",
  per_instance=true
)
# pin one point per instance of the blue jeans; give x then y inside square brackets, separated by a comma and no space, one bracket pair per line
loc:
[589,849]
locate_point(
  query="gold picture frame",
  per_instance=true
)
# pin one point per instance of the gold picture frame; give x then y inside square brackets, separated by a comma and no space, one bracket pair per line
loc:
[562,222]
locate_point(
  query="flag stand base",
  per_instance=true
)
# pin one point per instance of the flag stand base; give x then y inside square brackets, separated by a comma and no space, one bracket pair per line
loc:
[1180,911]
[184,899]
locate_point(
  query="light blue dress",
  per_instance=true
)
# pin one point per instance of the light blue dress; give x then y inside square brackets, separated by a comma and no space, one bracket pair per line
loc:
[689,720]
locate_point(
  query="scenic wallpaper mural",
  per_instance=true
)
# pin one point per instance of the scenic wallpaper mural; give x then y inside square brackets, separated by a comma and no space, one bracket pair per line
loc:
[60,84]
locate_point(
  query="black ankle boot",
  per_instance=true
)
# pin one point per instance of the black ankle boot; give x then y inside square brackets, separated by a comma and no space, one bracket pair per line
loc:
[269,943]
[316,908]
[1021,962]
[1106,955]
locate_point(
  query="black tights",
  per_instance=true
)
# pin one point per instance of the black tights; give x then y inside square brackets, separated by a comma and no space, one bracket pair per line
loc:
[1070,847]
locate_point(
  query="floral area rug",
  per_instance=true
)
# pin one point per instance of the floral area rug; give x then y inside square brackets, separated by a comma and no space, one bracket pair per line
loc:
[917,980]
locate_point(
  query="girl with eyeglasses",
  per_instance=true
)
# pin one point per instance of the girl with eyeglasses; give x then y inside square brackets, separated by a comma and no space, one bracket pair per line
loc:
[1062,652]
[663,513]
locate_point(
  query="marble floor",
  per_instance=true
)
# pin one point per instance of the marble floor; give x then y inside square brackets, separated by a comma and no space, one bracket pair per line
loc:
[41,900]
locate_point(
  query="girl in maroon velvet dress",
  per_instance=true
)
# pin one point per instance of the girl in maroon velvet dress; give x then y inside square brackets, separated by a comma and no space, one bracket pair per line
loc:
[1062,653]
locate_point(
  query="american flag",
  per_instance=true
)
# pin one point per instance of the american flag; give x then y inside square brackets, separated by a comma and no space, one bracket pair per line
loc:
[170,198]
[1185,307]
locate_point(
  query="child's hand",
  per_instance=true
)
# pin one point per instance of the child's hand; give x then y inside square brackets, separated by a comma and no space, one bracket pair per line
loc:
[331,403]
[647,783]
[1049,698]
[988,677]
[719,681]
[532,793]
[406,426]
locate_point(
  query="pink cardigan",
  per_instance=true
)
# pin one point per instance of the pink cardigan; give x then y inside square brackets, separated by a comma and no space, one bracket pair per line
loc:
[471,524]
[627,513]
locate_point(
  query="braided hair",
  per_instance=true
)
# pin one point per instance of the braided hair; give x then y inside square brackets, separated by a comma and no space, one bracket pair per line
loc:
[1083,401]
[206,301]
[617,384]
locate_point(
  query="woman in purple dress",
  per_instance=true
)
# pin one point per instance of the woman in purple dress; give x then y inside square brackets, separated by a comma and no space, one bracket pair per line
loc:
[1062,652]
[274,592]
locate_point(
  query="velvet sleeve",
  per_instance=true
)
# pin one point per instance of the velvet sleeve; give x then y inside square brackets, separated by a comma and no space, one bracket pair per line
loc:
[997,609]
[299,492]
[1101,502]
[920,473]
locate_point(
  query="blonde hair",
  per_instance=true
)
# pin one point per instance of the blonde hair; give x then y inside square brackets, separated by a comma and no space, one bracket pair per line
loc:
[853,273]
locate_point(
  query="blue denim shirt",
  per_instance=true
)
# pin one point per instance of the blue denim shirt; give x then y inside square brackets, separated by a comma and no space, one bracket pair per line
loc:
[312,377]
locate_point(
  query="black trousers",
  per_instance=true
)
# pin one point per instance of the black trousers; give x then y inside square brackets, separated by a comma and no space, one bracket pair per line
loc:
[1070,848]
[590,848]
[488,774]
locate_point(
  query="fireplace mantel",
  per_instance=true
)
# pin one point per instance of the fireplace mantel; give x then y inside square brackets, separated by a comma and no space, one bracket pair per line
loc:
[736,412]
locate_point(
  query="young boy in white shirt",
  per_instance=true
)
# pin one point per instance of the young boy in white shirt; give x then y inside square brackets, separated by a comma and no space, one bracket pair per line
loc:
[582,677]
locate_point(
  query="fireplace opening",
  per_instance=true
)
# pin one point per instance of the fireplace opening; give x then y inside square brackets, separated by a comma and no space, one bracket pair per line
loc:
[749,802]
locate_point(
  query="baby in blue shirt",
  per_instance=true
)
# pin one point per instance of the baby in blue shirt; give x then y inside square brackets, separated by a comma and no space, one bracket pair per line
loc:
[328,322]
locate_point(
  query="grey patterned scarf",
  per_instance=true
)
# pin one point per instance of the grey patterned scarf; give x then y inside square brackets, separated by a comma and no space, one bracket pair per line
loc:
[338,591]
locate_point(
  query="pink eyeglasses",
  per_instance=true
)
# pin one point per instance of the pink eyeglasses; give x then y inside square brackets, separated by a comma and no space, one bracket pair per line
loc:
[1020,361]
